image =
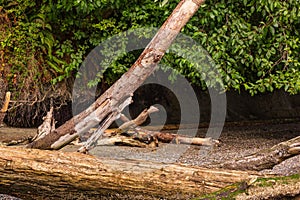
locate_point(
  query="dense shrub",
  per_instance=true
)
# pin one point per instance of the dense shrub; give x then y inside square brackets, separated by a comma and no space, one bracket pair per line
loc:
[255,44]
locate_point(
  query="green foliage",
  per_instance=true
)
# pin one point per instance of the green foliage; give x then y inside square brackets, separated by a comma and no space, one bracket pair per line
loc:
[255,44]
[24,42]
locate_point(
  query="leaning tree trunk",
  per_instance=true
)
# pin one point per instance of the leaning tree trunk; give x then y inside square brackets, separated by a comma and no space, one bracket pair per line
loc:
[39,174]
[119,94]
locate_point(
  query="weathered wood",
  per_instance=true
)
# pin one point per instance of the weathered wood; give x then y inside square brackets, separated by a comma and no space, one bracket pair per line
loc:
[139,137]
[55,174]
[4,107]
[273,188]
[144,134]
[115,138]
[122,140]
[294,148]
[128,83]
[267,158]
[47,126]
[179,139]
[92,141]
[139,120]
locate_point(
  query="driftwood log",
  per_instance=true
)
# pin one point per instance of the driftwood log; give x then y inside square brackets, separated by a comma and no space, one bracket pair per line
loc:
[144,138]
[266,158]
[131,134]
[107,107]
[144,134]
[175,138]
[41,174]
[129,124]
[139,120]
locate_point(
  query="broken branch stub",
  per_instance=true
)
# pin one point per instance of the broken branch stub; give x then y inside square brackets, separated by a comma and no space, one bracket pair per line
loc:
[92,141]
[138,120]
[46,127]
[4,107]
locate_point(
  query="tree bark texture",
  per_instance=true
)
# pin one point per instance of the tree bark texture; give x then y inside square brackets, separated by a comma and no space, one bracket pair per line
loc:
[40,174]
[127,84]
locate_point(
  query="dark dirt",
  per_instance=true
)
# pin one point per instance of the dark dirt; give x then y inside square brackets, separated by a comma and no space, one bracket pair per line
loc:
[9,134]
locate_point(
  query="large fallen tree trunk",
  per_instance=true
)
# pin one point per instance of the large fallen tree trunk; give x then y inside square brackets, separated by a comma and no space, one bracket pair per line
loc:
[107,106]
[39,174]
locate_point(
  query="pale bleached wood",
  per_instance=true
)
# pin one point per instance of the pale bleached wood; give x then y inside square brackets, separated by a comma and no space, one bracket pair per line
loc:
[4,107]
[266,158]
[47,126]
